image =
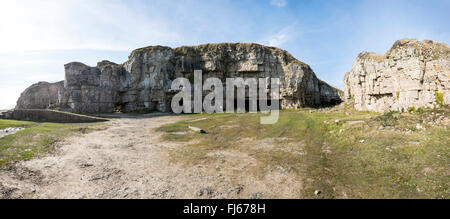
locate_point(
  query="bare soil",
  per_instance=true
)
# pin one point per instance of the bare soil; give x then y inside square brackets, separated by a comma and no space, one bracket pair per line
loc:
[129,159]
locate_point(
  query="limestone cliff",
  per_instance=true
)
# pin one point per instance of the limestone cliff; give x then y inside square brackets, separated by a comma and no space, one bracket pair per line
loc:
[144,81]
[411,74]
[42,95]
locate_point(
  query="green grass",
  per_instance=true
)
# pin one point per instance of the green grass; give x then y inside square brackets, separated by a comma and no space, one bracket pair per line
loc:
[37,139]
[385,165]
[439,98]
[13,123]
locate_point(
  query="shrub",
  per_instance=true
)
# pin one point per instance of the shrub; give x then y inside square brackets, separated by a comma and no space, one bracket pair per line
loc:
[387,119]
[179,52]
[439,98]
[412,109]
[420,110]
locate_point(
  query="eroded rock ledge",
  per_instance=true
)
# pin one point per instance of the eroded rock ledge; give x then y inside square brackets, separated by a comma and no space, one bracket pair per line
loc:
[411,74]
[144,81]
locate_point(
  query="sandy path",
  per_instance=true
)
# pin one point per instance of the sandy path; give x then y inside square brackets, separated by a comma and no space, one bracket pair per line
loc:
[129,160]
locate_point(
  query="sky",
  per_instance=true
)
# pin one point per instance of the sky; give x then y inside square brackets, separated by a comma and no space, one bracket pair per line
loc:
[38,37]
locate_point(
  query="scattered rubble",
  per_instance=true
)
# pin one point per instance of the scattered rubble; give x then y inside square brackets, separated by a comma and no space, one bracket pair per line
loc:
[317,192]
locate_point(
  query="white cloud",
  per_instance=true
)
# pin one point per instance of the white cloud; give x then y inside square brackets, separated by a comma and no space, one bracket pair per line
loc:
[279,3]
[278,40]
[78,24]
[9,96]
[283,36]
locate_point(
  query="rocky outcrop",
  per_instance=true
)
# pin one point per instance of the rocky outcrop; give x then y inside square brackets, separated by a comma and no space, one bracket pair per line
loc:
[144,81]
[92,89]
[42,95]
[411,74]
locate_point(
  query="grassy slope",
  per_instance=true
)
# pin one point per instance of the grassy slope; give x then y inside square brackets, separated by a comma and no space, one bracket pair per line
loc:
[388,164]
[36,139]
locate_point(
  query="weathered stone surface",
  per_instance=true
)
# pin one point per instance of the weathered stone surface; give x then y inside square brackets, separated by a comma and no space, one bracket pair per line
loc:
[42,95]
[411,74]
[91,89]
[144,81]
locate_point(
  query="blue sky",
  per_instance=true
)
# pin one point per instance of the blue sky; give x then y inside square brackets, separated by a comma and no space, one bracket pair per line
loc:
[38,37]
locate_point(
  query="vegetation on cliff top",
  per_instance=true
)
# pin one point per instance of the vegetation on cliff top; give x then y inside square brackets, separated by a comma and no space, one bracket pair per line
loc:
[430,49]
[185,50]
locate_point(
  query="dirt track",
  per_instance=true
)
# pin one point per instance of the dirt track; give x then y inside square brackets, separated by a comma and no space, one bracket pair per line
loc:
[129,160]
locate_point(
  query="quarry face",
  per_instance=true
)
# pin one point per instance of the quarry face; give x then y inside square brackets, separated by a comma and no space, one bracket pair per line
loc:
[412,74]
[144,81]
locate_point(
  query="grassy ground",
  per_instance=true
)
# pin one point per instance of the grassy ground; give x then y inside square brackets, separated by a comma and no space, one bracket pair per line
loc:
[37,139]
[357,155]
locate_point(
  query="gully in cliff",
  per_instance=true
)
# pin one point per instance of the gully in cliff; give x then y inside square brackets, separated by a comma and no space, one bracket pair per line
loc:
[213,102]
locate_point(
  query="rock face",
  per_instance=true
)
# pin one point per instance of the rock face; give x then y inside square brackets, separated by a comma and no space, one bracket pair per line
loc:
[92,89]
[411,74]
[42,95]
[144,81]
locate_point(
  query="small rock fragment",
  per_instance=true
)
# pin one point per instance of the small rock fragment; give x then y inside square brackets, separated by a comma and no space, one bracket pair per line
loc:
[195,129]
[420,127]
[237,190]
[256,195]
[414,142]
[204,192]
